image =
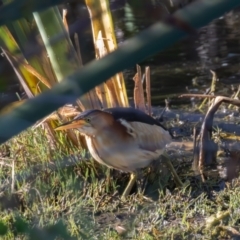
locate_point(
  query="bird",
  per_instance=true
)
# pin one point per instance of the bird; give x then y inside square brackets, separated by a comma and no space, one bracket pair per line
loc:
[123,138]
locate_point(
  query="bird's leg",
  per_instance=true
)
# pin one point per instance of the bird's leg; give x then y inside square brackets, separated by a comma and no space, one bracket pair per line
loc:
[142,181]
[133,178]
[168,162]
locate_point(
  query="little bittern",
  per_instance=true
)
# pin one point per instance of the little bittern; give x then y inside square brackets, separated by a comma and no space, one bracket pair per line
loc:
[126,139]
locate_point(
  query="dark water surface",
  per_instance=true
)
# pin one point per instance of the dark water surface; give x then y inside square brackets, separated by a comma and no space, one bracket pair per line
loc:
[216,47]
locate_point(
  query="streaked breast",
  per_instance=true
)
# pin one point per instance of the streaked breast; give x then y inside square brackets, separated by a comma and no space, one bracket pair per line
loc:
[141,144]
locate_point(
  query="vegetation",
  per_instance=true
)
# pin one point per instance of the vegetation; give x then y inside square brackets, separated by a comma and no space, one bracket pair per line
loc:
[160,36]
[52,190]
[70,196]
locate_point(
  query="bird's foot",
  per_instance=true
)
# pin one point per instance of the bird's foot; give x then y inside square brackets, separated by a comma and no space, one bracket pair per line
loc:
[176,178]
[133,178]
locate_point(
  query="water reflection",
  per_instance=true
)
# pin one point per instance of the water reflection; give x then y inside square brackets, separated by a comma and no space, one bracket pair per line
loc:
[216,47]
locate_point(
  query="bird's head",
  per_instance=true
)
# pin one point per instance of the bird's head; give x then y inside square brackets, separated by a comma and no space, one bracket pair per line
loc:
[89,122]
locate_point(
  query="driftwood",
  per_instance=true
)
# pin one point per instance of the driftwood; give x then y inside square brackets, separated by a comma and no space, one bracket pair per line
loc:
[204,146]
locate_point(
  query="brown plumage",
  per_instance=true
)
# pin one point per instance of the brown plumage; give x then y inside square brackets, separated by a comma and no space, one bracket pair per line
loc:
[122,138]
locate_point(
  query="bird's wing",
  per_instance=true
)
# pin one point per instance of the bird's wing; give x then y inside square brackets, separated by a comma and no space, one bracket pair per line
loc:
[148,137]
[132,115]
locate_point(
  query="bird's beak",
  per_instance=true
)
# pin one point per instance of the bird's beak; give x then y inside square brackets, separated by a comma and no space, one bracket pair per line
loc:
[72,124]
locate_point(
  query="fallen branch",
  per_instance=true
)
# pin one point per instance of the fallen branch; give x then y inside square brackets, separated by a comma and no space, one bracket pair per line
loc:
[207,148]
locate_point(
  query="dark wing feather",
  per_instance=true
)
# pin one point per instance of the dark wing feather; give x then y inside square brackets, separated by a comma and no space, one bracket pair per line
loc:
[86,113]
[132,115]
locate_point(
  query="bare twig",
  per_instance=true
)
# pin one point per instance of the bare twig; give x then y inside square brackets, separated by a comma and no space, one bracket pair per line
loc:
[231,231]
[212,88]
[205,143]
[148,89]
[19,75]
[214,81]
[138,91]
[197,95]
[235,96]
[206,129]
[195,152]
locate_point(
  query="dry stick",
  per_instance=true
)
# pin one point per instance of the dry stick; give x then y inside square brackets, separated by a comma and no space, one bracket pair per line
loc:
[214,81]
[195,151]
[235,96]
[167,104]
[138,91]
[14,65]
[210,222]
[213,84]
[204,100]
[230,230]
[207,125]
[135,91]
[212,88]
[205,135]
[148,90]
[142,104]
[197,95]
[227,136]
[51,135]
[112,92]
[35,73]
[162,113]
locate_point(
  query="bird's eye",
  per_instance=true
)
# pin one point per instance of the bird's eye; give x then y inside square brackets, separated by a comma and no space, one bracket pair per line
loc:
[88,120]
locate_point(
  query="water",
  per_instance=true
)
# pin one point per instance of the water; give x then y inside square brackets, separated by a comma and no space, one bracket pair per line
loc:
[216,47]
